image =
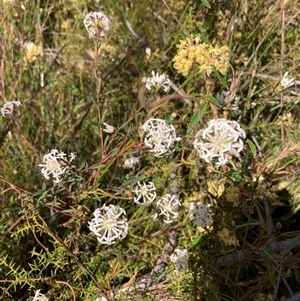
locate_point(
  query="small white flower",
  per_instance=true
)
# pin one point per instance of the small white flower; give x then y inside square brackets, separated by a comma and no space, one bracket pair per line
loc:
[160,136]
[55,164]
[168,207]
[101,299]
[9,107]
[131,162]
[148,51]
[72,157]
[158,81]
[110,223]
[146,192]
[108,128]
[40,297]
[220,140]
[180,258]
[96,23]
[285,82]
[199,214]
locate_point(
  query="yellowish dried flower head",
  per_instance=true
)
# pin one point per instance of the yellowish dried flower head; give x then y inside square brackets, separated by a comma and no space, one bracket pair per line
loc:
[191,52]
[232,195]
[228,237]
[32,52]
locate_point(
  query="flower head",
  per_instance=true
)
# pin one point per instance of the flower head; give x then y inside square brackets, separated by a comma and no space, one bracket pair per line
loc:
[40,297]
[192,52]
[131,162]
[146,192]
[160,136]
[180,258]
[9,107]
[220,140]
[96,23]
[55,164]
[199,214]
[168,207]
[108,128]
[228,237]
[158,81]
[110,223]
[32,52]
[286,82]
[148,51]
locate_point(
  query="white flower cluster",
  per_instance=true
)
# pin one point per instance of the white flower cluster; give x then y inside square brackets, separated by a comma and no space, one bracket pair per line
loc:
[158,81]
[199,214]
[180,258]
[160,136]
[131,162]
[9,107]
[286,82]
[146,192]
[96,23]
[56,164]
[110,223]
[220,140]
[168,208]
[40,297]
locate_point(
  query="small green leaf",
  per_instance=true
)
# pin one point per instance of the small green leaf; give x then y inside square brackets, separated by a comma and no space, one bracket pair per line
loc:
[212,99]
[161,276]
[96,130]
[252,147]
[296,273]
[269,251]
[236,176]
[269,262]
[99,86]
[221,78]
[133,180]
[198,163]
[98,166]
[205,2]
[273,278]
[74,211]
[196,241]
[194,121]
[114,152]
[107,138]
[43,196]
[203,108]
[200,240]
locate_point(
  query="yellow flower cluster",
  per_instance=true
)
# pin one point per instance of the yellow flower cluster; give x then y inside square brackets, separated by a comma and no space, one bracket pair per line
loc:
[227,237]
[265,297]
[191,52]
[175,6]
[232,195]
[32,52]
[108,48]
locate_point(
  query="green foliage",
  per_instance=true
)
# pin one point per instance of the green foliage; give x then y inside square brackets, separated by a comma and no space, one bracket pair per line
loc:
[70,86]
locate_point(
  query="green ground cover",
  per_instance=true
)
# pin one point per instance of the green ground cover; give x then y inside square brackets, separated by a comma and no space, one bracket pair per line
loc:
[149,150]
